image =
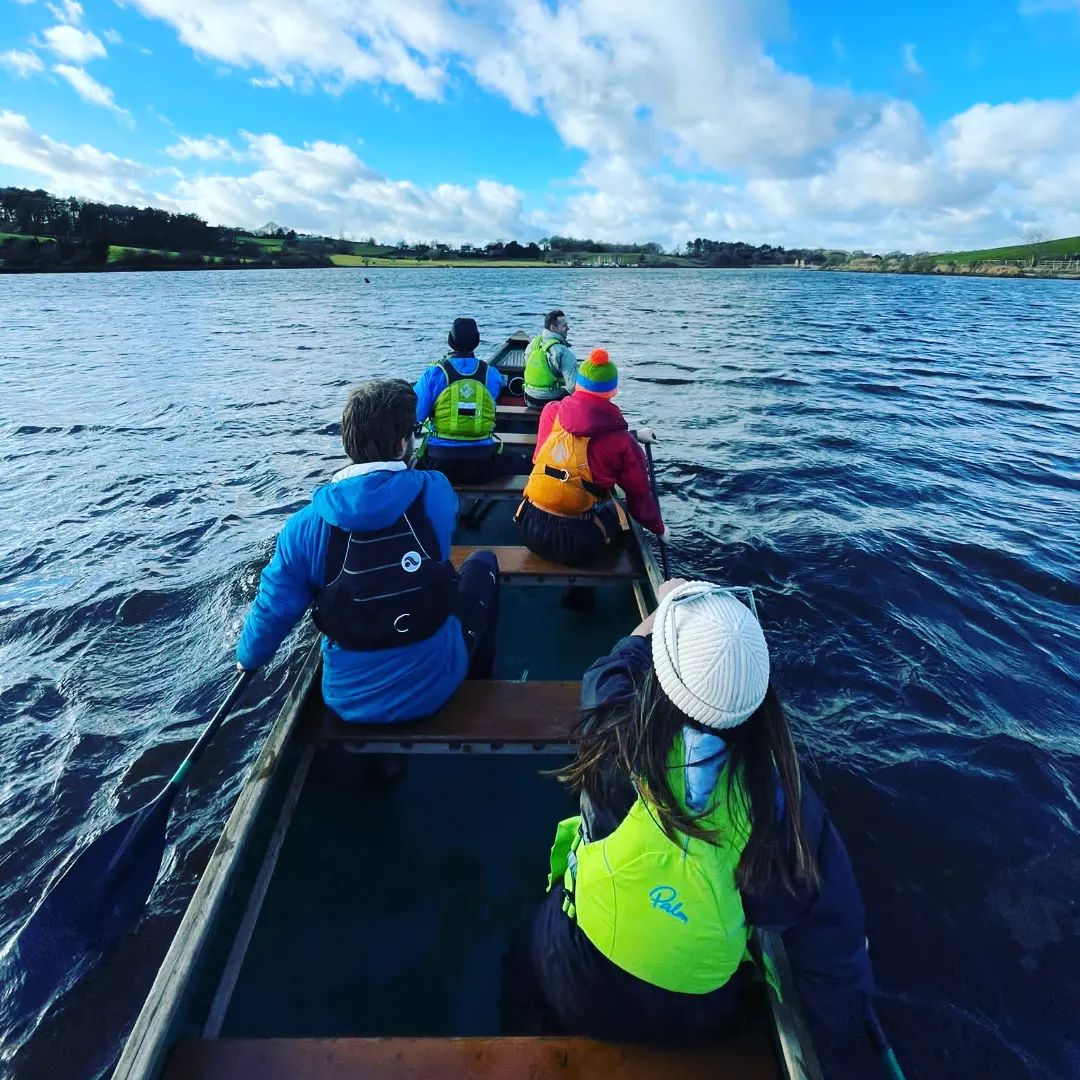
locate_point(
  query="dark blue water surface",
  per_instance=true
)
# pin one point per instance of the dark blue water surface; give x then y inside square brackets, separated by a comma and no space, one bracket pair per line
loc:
[892,462]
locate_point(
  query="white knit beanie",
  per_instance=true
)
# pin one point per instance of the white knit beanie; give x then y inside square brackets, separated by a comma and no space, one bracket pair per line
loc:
[710,655]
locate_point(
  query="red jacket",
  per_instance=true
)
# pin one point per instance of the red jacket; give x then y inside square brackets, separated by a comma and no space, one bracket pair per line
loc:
[614,454]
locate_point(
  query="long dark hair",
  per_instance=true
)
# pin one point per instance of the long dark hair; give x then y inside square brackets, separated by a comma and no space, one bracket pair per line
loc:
[634,739]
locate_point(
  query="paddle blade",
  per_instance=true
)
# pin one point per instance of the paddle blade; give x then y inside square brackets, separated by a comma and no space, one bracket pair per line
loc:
[94,901]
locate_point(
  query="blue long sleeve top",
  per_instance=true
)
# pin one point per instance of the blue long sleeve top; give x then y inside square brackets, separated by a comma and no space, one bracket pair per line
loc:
[433,382]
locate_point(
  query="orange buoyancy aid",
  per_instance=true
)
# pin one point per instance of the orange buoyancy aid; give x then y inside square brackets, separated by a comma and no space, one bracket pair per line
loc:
[561,481]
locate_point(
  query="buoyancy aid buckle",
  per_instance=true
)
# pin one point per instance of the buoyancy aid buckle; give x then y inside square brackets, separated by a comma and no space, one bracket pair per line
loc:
[564,477]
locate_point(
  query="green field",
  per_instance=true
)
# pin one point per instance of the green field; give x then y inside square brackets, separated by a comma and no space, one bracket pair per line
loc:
[1051,249]
[271,243]
[117,252]
[22,236]
[378,260]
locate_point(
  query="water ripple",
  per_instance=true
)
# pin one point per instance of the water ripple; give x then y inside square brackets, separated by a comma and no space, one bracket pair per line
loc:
[892,463]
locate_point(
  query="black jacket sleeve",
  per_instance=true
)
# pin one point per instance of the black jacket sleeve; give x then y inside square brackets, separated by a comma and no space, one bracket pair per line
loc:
[611,679]
[824,933]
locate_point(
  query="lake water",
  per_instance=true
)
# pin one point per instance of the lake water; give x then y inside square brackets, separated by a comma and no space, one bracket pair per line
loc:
[892,462]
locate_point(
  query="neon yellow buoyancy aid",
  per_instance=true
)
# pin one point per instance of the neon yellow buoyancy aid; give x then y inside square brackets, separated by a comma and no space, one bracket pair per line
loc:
[538,370]
[465,410]
[669,913]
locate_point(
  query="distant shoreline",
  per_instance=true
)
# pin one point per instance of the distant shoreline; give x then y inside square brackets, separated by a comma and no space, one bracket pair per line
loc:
[985,270]
[860,266]
[403,264]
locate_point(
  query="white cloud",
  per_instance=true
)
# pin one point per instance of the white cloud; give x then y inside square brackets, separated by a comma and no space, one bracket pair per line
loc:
[324,187]
[21,63]
[1011,138]
[79,46]
[89,89]
[686,124]
[208,148]
[337,42]
[911,65]
[82,170]
[112,37]
[689,81]
[273,82]
[67,11]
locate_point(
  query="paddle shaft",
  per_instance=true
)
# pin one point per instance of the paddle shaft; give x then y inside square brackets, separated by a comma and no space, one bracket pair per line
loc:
[104,887]
[664,563]
[881,1045]
[211,729]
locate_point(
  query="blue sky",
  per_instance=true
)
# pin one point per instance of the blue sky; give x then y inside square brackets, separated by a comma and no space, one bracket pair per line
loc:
[919,126]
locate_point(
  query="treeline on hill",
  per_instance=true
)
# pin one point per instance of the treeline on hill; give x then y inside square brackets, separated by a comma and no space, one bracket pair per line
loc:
[39,231]
[43,232]
[724,253]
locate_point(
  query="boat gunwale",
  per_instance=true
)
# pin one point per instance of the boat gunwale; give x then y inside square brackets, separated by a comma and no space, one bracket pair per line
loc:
[152,1036]
[150,1039]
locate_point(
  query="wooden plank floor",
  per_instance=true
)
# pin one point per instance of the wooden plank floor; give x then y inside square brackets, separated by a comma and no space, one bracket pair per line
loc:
[520,562]
[502,487]
[507,1058]
[488,711]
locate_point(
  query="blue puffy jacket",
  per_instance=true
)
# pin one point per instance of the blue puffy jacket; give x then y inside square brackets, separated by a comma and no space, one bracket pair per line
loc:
[376,686]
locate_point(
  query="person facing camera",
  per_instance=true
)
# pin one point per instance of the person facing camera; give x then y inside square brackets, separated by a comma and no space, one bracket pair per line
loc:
[695,827]
[370,555]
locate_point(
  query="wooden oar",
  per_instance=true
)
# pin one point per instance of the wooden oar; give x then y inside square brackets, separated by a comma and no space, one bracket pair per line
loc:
[664,562]
[104,887]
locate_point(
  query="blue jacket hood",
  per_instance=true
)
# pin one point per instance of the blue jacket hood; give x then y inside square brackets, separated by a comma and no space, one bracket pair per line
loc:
[367,501]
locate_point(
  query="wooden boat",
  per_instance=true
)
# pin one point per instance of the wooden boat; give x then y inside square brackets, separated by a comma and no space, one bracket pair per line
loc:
[351,926]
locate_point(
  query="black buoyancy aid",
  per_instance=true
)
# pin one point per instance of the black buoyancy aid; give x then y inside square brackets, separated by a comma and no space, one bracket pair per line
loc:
[386,587]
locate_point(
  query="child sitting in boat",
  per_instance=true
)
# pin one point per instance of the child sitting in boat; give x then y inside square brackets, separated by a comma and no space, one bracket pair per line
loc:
[370,554]
[695,827]
[456,399]
[583,449]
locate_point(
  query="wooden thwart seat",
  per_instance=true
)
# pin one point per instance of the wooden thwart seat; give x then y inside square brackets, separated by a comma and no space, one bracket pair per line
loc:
[517,438]
[520,562]
[482,711]
[502,487]
[515,410]
[748,1058]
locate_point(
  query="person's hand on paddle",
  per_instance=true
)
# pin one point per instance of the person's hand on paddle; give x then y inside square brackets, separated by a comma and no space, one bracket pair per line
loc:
[645,435]
[644,628]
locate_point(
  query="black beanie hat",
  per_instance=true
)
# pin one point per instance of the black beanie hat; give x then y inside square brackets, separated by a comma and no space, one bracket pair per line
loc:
[464,336]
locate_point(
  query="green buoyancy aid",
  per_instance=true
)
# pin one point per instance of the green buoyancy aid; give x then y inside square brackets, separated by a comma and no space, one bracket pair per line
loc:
[668,913]
[465,410]
[538,370]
